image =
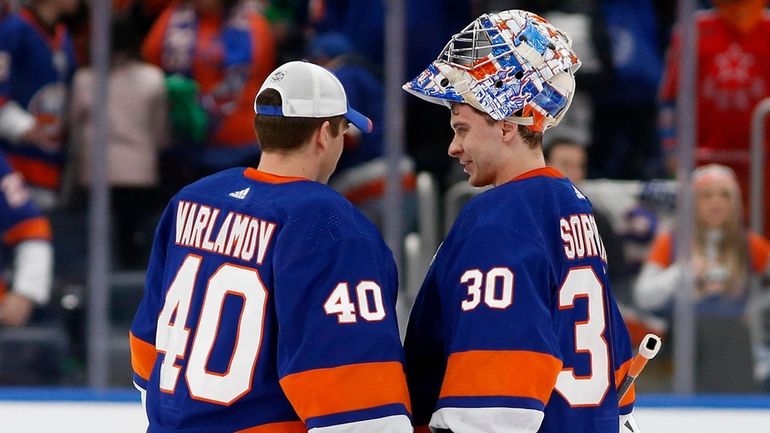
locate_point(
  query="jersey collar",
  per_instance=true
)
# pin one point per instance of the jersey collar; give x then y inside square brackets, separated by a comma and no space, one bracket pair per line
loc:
[542,171]
[263,176]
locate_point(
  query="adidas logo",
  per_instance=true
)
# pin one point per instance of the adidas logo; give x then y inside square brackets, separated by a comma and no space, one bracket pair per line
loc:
[240,195]
[577,193]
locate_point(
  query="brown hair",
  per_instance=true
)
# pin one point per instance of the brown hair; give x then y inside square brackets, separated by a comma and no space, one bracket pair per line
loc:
[531,138]
[279,133]
[534,139]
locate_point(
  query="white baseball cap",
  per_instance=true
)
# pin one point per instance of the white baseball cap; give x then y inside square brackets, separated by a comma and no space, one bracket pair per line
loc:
[308,90]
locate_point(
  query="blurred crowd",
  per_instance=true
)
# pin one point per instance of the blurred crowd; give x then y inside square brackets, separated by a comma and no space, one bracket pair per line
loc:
[181,82]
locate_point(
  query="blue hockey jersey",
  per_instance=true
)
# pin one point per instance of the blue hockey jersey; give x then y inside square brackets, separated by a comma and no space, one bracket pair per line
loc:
[269,307]
[35,71]
[515,324]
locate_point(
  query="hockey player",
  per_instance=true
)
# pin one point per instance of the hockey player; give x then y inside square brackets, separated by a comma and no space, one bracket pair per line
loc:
[515,328]
[27,233]
[269,302]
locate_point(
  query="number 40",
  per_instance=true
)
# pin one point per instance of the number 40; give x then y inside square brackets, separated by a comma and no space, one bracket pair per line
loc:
[339,303]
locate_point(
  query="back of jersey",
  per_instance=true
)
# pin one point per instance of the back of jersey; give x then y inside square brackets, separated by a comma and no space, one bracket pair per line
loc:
[514,328]
[593,338]
[268,307]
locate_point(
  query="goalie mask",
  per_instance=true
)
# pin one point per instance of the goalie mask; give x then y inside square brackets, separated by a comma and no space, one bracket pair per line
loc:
[512,65]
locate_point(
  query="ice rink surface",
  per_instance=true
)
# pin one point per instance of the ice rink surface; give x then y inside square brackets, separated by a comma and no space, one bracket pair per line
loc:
[79,411]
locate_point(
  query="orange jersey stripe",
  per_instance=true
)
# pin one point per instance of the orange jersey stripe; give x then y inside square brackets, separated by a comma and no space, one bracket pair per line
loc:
[263,176]
[277,427]
[38,173]
[660,251]
[327,391]
[542,171]
[620,374]
[510,373]
[33,228]
[142,356]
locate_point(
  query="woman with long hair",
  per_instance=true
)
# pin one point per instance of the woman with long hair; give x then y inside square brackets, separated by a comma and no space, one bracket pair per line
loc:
[725,255]
[724,252]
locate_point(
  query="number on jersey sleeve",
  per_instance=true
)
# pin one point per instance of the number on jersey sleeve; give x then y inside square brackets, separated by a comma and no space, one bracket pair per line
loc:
[339,303]
[494,298]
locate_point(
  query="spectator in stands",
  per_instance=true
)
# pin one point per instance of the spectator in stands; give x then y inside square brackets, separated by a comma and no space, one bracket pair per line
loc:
[27,234]
[733,64]
[724,256]
[570,158]
[36,66]
[138,130]
[361,170]
[226,47]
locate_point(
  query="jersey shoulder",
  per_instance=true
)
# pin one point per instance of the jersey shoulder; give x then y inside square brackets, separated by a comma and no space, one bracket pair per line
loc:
[302,207]
[211,185]
[322,211]
[523,204]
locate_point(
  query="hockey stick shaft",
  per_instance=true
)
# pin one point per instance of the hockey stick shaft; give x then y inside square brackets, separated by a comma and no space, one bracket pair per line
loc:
[647,350]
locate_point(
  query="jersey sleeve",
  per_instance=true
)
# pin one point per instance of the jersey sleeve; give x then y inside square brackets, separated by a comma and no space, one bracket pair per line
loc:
[340,359]
[28,232]
[20,218]
[502,353]
[142,333]
[425,359]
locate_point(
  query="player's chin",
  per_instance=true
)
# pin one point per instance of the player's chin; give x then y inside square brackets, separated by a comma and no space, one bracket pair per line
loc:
[476,181]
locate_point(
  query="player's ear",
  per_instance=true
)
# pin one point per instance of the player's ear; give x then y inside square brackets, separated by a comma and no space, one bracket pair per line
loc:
[322,135]
[508,129]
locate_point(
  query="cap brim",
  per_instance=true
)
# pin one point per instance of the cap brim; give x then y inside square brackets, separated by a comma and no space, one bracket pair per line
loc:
[359,120]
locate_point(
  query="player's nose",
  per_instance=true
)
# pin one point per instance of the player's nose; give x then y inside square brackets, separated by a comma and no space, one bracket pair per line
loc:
[455,148]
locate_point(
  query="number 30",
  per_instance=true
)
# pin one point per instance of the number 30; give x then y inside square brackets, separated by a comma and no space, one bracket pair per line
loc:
[474,278]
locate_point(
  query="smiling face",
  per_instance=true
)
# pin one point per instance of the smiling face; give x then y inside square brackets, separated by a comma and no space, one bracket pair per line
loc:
[479,146]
